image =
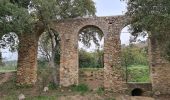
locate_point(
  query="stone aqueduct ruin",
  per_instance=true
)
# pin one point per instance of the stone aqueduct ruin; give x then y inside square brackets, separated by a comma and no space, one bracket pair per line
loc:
[113,77]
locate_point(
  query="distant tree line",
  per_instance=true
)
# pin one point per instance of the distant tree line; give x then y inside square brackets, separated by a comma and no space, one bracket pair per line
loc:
[134,55]
[130,55]
[91,59]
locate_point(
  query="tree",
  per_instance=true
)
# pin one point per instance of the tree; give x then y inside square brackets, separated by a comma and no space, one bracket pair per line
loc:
[153,17]
[49,47]
[29,19]
[90,59]
[133,55]
[90,34]
[87,36]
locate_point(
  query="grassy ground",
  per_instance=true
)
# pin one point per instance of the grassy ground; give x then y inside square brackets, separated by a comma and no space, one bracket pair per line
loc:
[7,68]
[9,91]
[138,73]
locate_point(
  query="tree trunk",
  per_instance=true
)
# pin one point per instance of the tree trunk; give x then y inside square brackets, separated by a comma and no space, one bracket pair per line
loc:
[1,63]
[27,59]
[52,63]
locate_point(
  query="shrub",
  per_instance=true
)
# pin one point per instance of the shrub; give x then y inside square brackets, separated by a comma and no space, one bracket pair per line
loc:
[52,86]
[100,90]
[80,88]
[138,73]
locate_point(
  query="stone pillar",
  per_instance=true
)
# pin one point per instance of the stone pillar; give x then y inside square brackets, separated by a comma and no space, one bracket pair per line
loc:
[160,69]
[69,59]
[113,72]
[27,59]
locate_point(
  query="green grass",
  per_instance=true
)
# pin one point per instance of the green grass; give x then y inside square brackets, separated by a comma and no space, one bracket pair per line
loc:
[100,90]
[82,88]
[7,68]
[138,73]
[42,98]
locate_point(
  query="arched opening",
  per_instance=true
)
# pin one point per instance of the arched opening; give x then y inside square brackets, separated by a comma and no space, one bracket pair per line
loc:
[8,52]
[49,58]
[137,92]
[91,56]
[135,56]
[91,43]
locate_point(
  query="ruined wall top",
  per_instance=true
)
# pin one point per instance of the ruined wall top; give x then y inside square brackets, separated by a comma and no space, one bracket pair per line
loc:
[77,24]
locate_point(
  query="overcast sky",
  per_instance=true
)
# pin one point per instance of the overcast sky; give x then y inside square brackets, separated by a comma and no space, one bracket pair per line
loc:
[104,8]
[110,7]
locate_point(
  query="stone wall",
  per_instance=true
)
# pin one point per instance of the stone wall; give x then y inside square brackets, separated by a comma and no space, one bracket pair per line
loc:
[69,69]
[27,59]
[111,28]
[145,87]
[92,77]
[6,76]
[160,69]
[113,72]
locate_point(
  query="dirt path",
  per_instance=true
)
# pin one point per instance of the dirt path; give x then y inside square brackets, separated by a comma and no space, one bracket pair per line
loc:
[133,98]
[4,77]
[163,97]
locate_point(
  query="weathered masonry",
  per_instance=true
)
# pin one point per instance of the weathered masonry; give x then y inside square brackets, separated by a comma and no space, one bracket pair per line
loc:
[69,30]
[113,73]
[113,77]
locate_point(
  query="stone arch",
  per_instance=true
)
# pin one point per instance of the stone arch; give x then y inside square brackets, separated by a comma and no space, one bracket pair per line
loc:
[141,47]
[88,25]
[98,27]
[69,30]
[94,70]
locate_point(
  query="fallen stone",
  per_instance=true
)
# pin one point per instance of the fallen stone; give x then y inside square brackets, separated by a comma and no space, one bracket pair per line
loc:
[21,97]
[46,89]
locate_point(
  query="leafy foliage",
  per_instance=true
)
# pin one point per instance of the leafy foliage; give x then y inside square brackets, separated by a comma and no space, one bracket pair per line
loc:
[135,62]
[14,18]
[100,90]
[90,34]
[90,59]
[52,86]
[132,55]
[152,16]
[138,73]
[20,16]
[80,88]
[10,41]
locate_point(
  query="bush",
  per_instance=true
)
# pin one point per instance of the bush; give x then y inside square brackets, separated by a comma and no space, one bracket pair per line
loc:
[80,88]
[100,90]
[138,73]
[90,59]
[52,86]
